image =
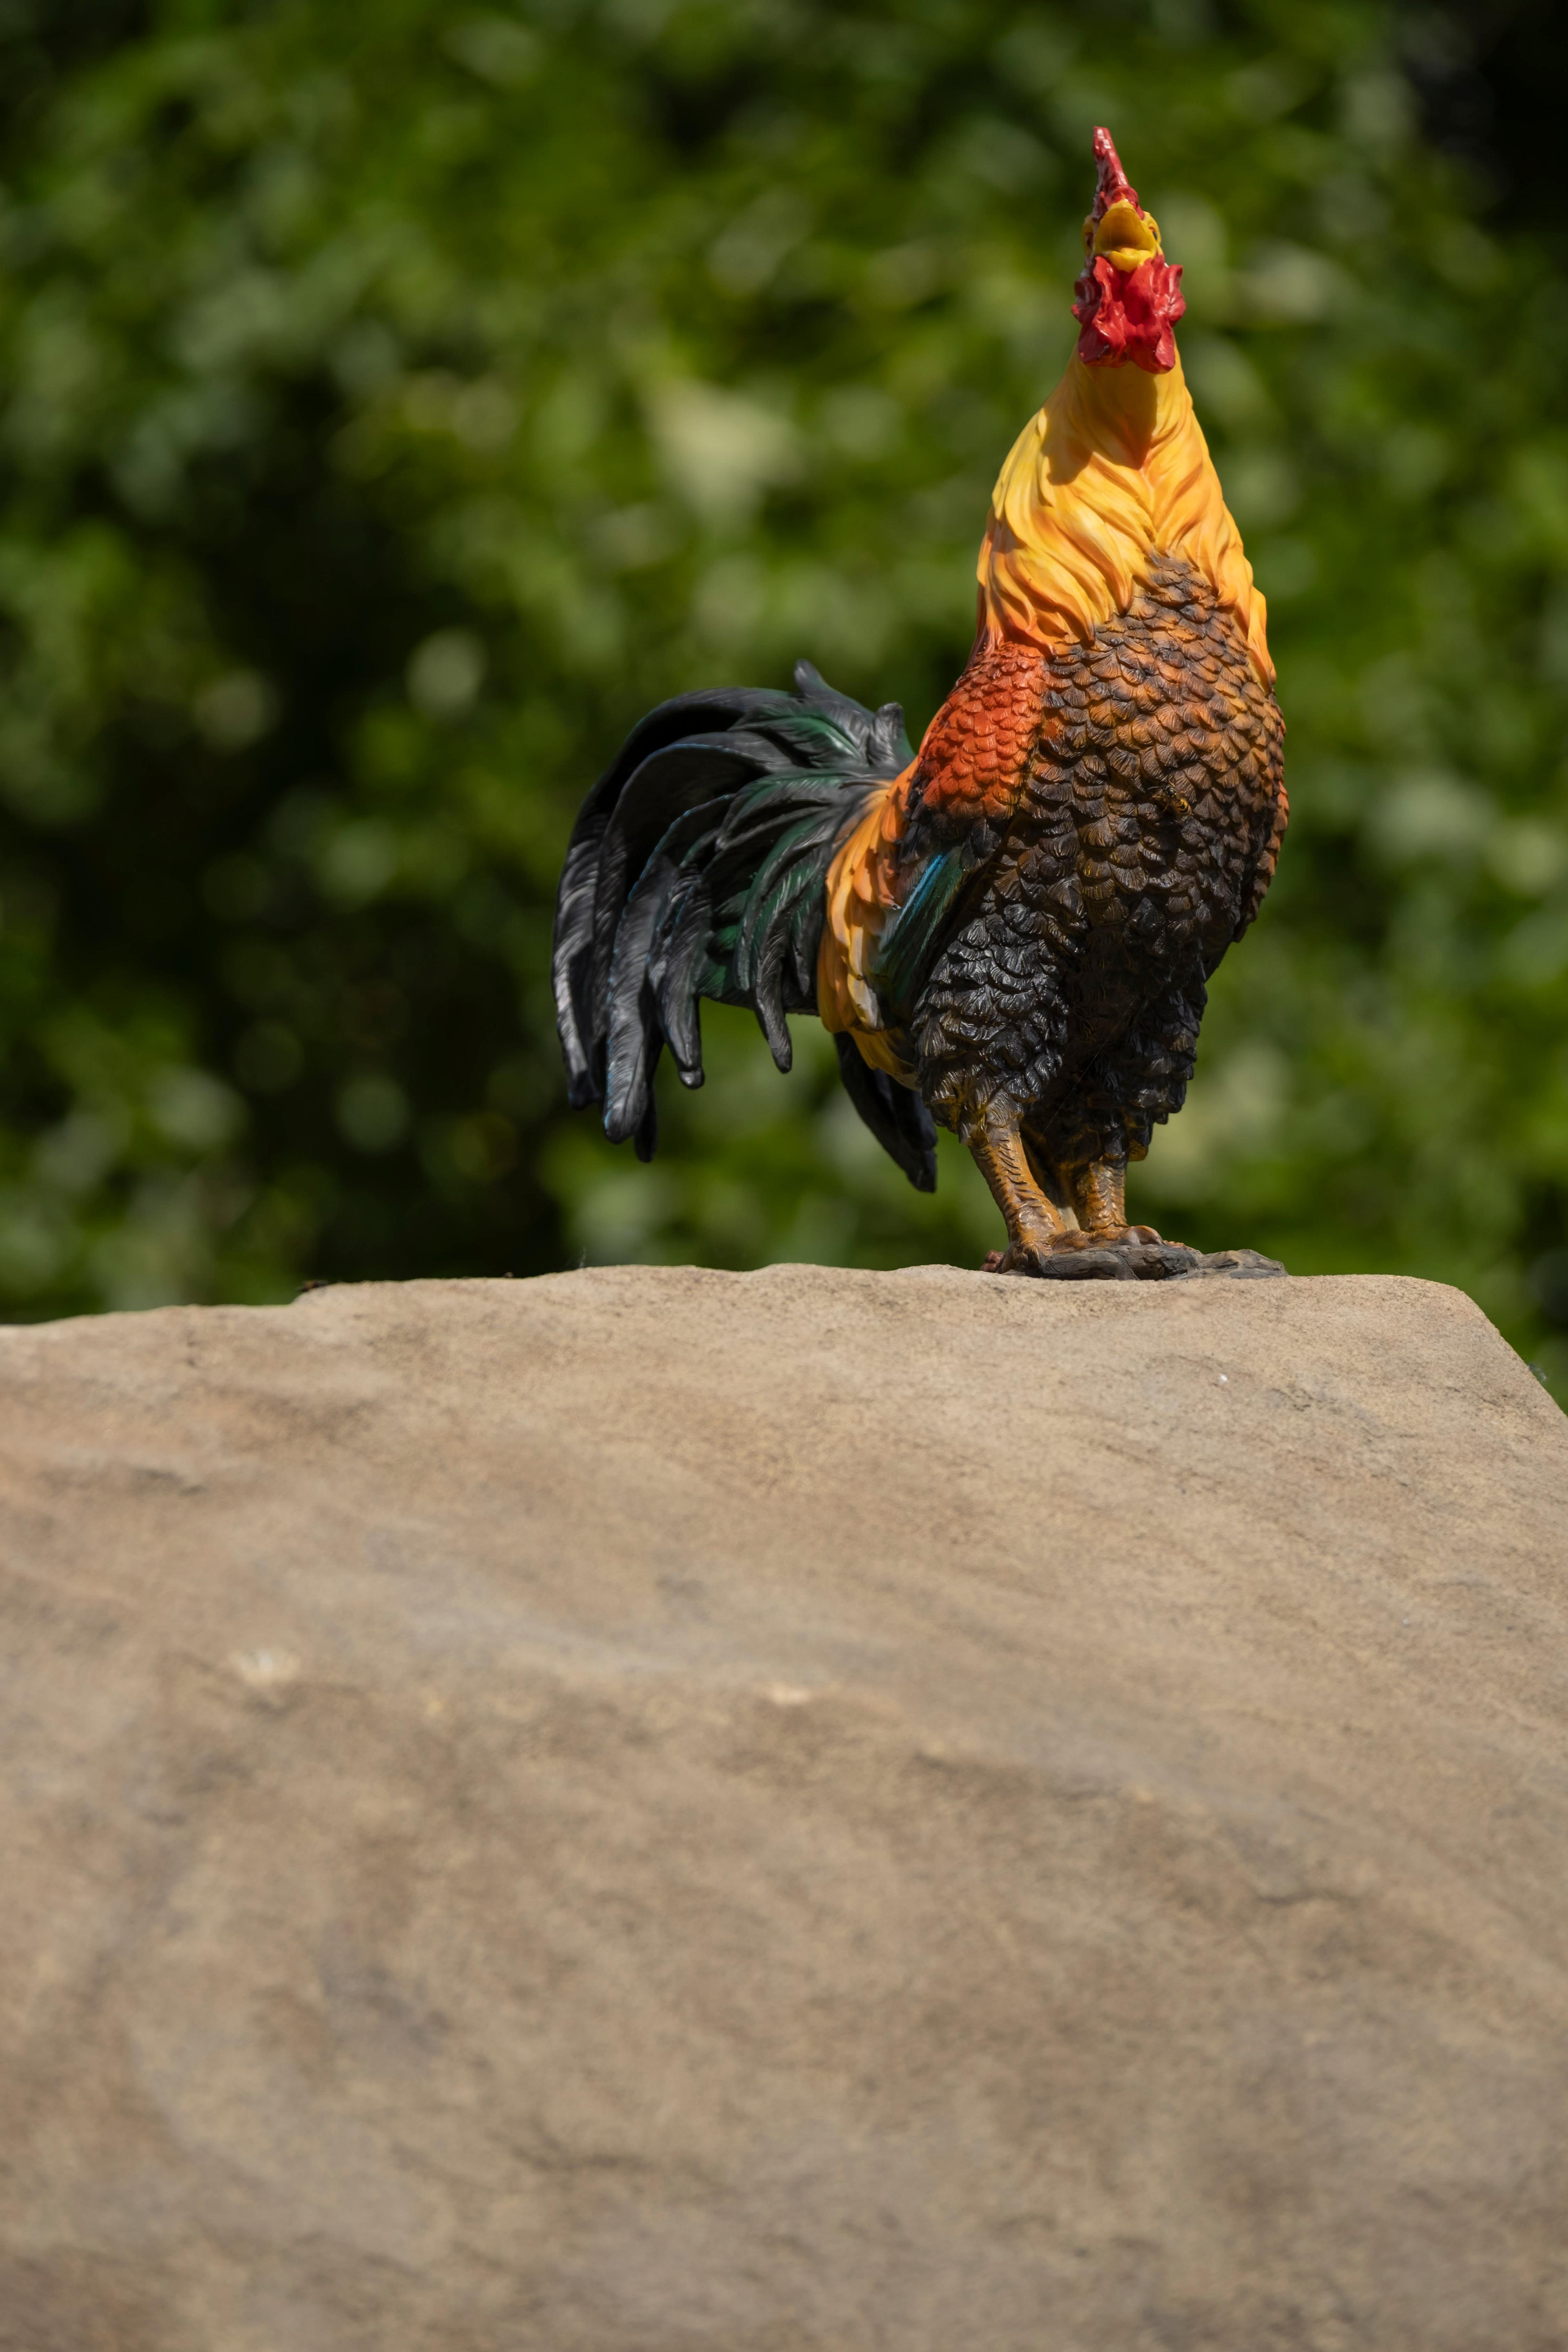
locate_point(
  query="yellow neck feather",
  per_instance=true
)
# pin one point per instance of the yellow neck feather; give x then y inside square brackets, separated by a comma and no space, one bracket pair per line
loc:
[1113,469]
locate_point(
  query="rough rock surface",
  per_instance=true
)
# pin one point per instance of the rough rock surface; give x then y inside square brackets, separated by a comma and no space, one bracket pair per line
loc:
[667,1811]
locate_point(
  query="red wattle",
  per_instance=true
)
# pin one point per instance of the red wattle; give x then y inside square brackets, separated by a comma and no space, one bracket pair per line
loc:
[1129,314]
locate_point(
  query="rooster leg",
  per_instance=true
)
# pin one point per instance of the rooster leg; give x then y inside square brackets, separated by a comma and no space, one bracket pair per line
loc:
[1034,1225]
[1098,1194]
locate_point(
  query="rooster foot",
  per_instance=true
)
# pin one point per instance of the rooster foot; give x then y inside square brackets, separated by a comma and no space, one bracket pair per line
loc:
[1102,1237]
[1036,1257]
[1120,1253]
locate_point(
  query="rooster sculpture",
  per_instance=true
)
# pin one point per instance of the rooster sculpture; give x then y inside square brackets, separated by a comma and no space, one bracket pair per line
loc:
[1009,931]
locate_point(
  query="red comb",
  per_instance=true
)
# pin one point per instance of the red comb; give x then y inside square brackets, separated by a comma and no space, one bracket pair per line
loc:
[1112,186]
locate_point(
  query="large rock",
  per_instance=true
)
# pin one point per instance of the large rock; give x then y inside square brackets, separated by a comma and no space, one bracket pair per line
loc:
[700,1813]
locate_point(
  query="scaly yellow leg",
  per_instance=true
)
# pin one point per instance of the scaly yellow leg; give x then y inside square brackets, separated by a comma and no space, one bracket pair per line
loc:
[1034,1225]
[1098,1195]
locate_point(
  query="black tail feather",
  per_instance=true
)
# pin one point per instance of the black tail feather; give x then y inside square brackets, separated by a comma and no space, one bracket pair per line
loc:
[898,1118]
[697,869]
[578,891]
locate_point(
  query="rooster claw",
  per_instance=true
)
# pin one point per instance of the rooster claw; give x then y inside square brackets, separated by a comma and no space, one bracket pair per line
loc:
[1106,1237]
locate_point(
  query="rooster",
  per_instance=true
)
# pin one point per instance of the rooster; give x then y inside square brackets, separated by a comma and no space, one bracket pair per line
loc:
[1008,933]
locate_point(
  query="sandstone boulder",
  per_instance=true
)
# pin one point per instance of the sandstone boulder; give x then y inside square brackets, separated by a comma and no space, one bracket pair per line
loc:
[653,1811]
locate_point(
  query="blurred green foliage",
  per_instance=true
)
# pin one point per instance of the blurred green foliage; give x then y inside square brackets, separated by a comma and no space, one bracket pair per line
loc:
[398,398]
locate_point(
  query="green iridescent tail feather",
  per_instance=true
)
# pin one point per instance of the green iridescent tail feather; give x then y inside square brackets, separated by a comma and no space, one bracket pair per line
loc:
[697,869]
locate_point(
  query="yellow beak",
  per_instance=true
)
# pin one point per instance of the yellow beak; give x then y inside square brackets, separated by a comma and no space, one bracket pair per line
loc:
[1125,238]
